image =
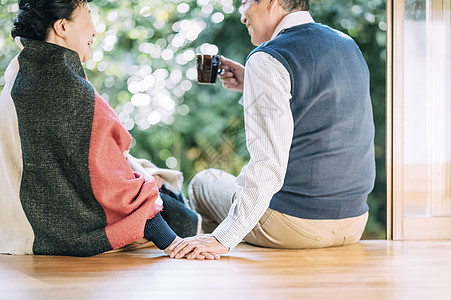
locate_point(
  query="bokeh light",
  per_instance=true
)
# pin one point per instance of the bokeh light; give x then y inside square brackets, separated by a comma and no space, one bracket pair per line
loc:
[171,162]
[217,17]
[183,8]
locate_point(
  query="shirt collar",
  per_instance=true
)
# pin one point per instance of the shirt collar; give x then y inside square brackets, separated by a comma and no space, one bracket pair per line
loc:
[291,20]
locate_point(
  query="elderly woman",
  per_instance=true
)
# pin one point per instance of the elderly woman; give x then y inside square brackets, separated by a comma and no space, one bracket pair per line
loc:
[67,187]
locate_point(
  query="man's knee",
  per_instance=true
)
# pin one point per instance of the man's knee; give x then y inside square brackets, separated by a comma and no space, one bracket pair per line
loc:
[197,179]
[205,178]
[197,185]
[211,192]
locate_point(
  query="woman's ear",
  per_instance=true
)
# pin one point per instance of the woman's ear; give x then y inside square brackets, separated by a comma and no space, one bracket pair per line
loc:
[60,28]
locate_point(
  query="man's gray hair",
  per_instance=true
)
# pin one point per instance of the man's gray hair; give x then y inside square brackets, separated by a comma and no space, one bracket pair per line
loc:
[294,5]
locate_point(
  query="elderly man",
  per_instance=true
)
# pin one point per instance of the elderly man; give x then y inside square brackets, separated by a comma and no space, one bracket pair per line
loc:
[309,132]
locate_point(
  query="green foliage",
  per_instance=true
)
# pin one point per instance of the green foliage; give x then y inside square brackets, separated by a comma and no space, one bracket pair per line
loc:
[143,64]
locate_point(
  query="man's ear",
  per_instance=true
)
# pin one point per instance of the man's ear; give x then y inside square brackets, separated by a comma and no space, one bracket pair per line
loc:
[60,28]
[272,4]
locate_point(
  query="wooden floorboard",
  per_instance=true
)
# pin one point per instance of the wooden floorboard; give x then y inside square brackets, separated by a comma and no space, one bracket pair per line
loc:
[367,270]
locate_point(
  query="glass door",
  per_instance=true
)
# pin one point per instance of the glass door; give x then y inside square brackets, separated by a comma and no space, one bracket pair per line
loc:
[420,123]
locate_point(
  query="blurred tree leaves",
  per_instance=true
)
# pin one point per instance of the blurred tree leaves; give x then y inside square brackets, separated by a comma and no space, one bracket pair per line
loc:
[143,64]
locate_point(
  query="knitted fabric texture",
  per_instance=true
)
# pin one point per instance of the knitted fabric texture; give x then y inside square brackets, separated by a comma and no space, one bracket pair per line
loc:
[71,190]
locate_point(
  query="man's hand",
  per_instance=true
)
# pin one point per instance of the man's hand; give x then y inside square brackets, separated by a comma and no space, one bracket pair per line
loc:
[178,239]
[232,76]
[205,245]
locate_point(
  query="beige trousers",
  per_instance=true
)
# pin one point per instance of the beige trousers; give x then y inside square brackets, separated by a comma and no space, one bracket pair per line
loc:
[212,192]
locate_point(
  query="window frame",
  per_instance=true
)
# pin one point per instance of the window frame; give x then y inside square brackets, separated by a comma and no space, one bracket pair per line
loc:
[400,227]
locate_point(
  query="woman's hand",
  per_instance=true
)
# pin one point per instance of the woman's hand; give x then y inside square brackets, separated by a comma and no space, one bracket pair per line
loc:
[158,181]
[174,242]
[232,76]
[202,245]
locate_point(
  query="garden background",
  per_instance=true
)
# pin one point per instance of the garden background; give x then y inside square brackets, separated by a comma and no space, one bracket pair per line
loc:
[143,64]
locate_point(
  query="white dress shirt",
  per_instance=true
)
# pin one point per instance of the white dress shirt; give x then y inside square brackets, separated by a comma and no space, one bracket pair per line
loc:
[269,133]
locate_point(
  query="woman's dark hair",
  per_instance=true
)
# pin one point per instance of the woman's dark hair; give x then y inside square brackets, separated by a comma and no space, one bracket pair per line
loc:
[36,17]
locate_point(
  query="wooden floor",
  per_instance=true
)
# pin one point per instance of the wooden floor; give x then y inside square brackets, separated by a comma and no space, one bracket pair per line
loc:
[367,270]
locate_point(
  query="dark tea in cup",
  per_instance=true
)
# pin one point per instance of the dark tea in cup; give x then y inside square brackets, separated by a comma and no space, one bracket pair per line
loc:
[207,68]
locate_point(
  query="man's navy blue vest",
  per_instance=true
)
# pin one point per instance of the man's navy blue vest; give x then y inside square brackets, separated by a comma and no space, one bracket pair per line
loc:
[331,167]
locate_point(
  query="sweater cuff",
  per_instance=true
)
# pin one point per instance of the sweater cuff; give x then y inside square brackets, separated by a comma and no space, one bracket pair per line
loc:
[229,233]
[159,232]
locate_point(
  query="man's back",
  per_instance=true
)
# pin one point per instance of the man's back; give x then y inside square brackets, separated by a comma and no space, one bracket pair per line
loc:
[331,166]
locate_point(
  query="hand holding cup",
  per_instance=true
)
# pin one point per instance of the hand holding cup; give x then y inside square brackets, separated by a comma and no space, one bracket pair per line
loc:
[232,75]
